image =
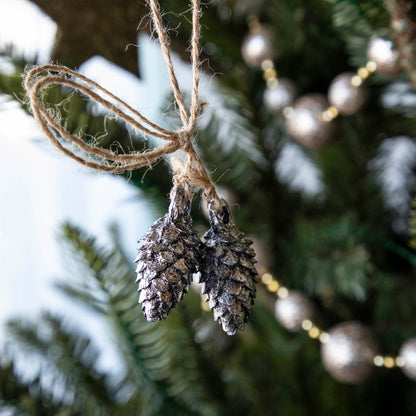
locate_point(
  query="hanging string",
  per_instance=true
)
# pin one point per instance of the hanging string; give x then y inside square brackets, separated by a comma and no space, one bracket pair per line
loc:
[191,173]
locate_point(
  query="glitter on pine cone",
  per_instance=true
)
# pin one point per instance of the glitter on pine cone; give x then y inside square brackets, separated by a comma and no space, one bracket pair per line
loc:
[167,258]
[227,271]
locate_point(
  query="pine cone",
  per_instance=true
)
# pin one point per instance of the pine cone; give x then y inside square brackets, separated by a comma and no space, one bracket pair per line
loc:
[227,271]
[168,256]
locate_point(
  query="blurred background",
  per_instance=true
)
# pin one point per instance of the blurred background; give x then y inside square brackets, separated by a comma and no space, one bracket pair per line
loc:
[324,189]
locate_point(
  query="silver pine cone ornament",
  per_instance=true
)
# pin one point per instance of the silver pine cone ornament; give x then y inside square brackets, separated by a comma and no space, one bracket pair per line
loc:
[227,271]
[167,258]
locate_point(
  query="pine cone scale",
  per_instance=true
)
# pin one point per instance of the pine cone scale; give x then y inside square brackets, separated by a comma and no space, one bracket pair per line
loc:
[164,263]
[227,272]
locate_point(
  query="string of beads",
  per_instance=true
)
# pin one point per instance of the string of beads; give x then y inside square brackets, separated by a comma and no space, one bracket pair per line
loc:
[309,117]
[349,351]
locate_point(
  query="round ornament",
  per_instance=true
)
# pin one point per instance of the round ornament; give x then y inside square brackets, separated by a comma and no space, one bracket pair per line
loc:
[292,310]
[382,52]
[306,125]
[344,96]
[257,47]
[278,97]
[408,353]
[348,354]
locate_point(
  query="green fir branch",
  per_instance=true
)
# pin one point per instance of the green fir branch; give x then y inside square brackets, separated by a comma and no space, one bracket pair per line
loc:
[68,357]
[22,397]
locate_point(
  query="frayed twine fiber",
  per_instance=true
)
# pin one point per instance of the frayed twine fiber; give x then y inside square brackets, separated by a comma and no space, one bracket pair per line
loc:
[192,173]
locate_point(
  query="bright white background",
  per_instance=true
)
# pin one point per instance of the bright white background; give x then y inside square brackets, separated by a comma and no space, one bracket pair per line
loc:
[40,188]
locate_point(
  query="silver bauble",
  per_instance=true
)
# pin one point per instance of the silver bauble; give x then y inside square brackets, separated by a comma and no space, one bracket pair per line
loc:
[257,47]
[382,52]
[278,97]
[292,310]
[344,96]
[306,124]
[408,353]
[348,354]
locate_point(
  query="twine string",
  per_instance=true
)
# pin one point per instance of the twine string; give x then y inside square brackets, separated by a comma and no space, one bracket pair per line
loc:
[164,45]
[196,62]
[192,173]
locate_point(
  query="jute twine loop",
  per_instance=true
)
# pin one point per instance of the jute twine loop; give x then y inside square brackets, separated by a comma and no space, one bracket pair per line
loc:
[192,173]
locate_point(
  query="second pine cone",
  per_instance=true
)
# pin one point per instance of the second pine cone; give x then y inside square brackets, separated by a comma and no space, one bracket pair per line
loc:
[227,271]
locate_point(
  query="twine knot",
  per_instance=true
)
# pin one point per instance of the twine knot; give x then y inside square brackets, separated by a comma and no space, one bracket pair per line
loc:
[184,140]
[193,172]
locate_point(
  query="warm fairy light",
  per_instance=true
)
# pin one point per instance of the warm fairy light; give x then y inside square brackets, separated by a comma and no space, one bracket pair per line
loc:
[356,81]
[288,112]
[333,111]
[282,292]
[272,82]
[267,65]
[388,362]
[307,324]
[371,66]
[324,337]
[400,362]
[378,360]
[363,73]
[266,278]
[270,74]
[327,116]
[314,332]
[273,286]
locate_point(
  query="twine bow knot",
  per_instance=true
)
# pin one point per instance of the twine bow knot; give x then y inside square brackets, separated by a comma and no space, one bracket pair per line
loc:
[191,173]
[184,139]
